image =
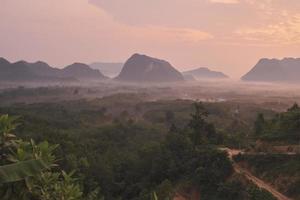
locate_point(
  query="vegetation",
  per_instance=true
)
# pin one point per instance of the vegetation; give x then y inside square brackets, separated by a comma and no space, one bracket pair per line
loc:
[127,148]
[28,170]
[284,127]
[122,162]
[277,161]
[283,171]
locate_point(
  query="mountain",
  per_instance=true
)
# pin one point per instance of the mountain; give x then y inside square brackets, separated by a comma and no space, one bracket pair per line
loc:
[189,77]
[142,68]
[108,69]
[19,71]
[4,62]
[205,73]
[82,71]
[275,70]
[41,71]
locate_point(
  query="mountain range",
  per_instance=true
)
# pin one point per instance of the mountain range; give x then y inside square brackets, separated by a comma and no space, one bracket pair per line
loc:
[108,69]
[204,73]
[142,68]
[275,70]
[41,71]
[138,68]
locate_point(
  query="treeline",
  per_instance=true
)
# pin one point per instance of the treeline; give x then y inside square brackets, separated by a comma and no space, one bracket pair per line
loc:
[121,160]
[284,127]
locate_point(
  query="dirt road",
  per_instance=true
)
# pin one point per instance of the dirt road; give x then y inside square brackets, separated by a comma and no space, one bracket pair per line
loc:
[260,183]
[238,169]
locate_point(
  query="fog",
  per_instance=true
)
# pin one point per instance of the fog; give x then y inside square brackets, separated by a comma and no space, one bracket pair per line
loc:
[277,96]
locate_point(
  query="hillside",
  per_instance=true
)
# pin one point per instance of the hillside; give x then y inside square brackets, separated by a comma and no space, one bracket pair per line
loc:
[205,73]
[23,71]
[279,170]
[82,71]
[274,70]
[42,72]
[142,68]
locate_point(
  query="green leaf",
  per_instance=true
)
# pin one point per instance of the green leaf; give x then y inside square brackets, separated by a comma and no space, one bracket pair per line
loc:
[154,196]
[21,170]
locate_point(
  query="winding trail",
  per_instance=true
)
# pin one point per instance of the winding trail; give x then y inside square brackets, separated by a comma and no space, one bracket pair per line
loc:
[260,183]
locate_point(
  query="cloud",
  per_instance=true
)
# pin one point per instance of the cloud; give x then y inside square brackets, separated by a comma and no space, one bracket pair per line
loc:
[168,34]
[80,31]
[231,33]
[284,32]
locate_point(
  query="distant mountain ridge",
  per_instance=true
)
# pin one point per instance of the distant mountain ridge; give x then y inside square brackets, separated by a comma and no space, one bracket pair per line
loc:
[41,71]
[205,73]
[275,70]
[108,69]
[82,71]
[142,68]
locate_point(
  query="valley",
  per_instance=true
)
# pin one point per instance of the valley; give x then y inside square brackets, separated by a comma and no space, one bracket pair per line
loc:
[149,100]
[126,121]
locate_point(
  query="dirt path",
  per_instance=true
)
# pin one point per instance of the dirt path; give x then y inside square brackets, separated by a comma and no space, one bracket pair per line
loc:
[238,169]
[260,183]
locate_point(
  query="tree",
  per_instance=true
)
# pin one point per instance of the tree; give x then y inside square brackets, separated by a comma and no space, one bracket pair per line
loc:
[232,190]
[26,170]
[256,193]
[295,107]
[259,124]
[213,169]
[173,128]
[202,131]
[170,116]
[165,190]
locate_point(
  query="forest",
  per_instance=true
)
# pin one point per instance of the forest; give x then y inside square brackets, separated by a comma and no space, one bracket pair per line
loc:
[92,150]
[124,147]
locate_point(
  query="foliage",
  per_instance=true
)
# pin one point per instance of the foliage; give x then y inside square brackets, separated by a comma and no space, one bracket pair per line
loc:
[28,173]
[55,186]
[232,190]
[256,193]
[154,196]
[20,170]
[128,149]
[259,124]
[202,131]
[283,127]
[283,171]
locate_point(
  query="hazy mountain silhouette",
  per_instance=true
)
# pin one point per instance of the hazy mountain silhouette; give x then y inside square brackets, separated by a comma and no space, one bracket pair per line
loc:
[108,69]
[41,71]
[82,71]
[44,70]
[4,62]
[19,71]
[142,68]
[15,71]
[205,73]
[274,70]
[189,77]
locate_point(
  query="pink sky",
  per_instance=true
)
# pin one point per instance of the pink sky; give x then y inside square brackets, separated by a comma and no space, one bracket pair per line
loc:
[226,35]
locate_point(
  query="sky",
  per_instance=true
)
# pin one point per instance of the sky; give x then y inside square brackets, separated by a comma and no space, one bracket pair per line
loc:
[225,35]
